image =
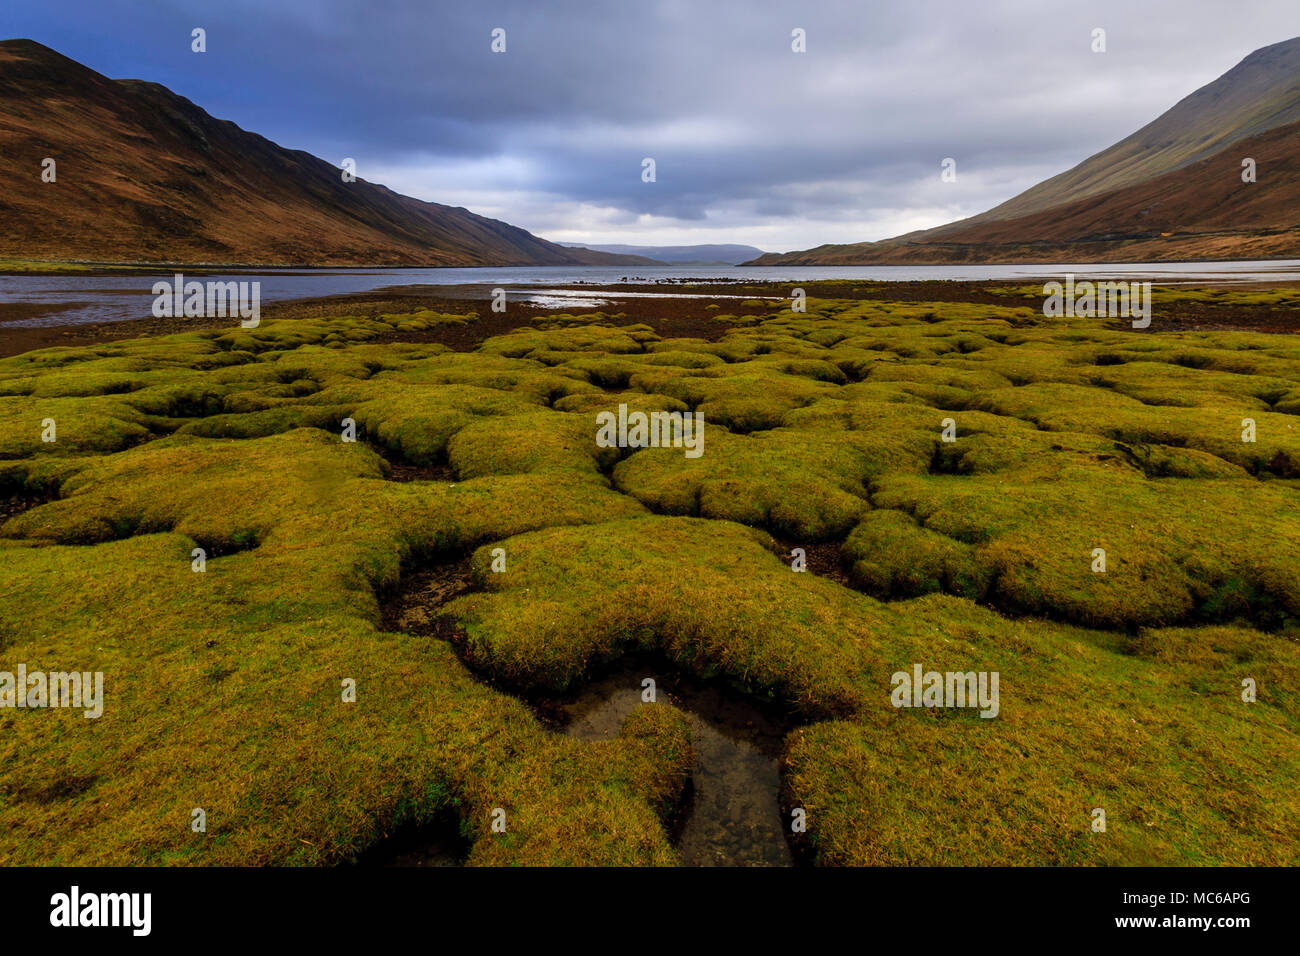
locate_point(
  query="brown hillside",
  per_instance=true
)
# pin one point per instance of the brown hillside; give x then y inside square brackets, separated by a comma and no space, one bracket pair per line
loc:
[1202,211]
[144,175]
[1170,191]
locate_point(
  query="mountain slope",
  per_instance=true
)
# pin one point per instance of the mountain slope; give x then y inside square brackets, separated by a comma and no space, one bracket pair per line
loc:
[1172,190]
[1260,93]
[145,175]
[1202,211]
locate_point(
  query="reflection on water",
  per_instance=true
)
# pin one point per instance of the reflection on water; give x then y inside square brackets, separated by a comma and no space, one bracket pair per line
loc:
[87,299]
[733,817]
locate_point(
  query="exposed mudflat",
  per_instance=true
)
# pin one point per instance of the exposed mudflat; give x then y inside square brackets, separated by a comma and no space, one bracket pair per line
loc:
[415,607]
[686,317]
[18,502]
[824,559]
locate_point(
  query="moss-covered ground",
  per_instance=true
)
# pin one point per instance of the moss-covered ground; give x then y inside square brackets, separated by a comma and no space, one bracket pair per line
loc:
[967,461]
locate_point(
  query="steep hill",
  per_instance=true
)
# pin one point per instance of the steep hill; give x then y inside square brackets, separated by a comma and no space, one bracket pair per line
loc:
[1172,190]
[145,175]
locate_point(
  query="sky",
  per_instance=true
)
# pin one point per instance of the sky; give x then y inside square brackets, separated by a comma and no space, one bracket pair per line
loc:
[752,142]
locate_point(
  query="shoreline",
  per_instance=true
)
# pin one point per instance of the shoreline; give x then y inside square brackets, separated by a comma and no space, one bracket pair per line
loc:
[20,267]
[694,313]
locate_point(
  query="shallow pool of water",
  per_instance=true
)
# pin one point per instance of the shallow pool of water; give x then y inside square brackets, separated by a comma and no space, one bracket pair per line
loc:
[733,817]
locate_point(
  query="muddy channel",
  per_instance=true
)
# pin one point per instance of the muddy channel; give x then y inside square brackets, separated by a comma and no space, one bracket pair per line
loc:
[731,815]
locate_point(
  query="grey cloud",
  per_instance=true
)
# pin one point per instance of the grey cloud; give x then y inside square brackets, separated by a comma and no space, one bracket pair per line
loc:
[745,132]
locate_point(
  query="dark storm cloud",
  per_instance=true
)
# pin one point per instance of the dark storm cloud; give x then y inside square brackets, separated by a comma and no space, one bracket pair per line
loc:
[752,142]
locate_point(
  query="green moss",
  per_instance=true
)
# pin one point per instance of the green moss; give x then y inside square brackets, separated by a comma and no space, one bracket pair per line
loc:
[1084,724]
[957,452]
[802,483]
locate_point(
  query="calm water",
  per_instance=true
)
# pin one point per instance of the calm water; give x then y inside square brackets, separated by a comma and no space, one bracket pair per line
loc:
[734,816]
[76,300]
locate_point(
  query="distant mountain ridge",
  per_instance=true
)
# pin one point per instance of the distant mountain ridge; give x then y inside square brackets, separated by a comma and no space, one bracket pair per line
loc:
[1171,190]
[145,175]
[706,254]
